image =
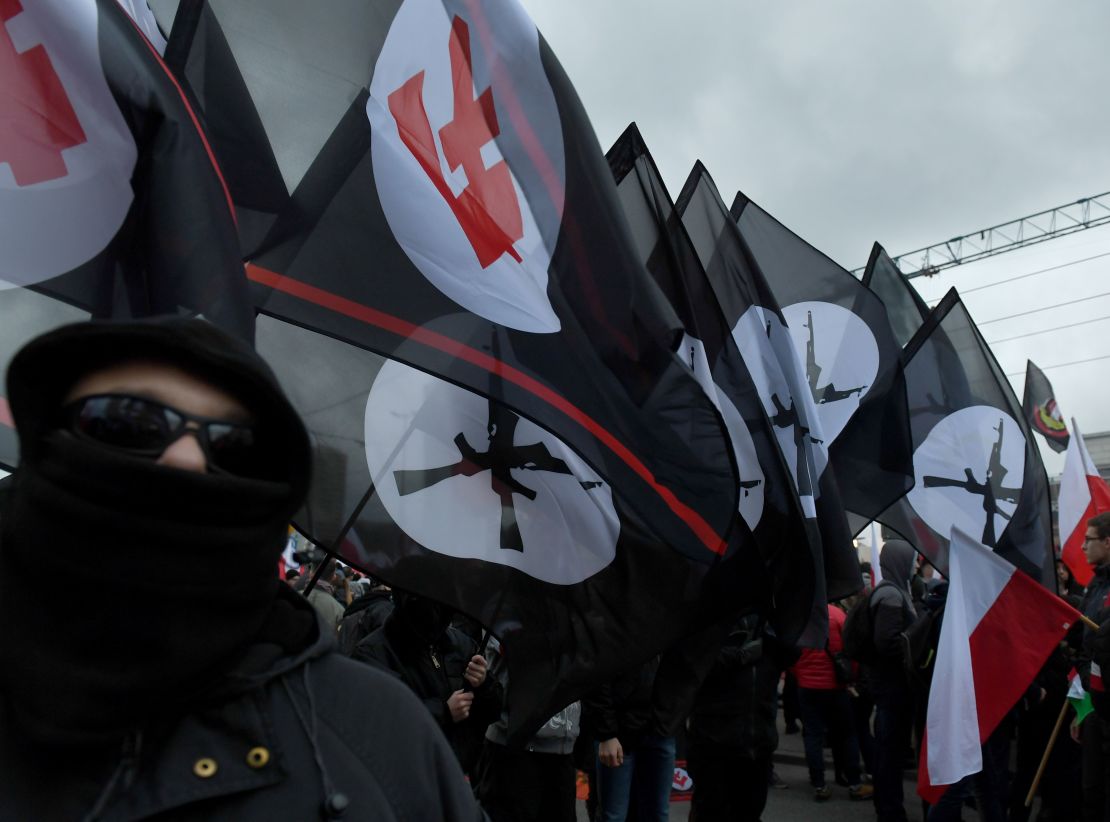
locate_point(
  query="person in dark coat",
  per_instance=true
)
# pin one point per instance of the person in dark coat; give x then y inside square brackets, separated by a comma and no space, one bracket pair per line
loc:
[1094,733]
[151,691]
[635,757]
[731,731]
[366,614]
[442,666]
[892,613]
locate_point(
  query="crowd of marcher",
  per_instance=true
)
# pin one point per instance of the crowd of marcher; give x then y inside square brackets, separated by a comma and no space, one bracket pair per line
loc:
[861,696]
[216,692]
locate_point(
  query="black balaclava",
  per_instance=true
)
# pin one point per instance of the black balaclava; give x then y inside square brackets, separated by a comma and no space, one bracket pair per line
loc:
[423,620]
[178,569]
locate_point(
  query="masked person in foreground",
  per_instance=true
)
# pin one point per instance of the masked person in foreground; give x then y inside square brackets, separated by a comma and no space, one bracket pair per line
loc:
[160,463]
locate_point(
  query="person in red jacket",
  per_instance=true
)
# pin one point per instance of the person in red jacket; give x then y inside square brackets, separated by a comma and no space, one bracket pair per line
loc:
[825,707]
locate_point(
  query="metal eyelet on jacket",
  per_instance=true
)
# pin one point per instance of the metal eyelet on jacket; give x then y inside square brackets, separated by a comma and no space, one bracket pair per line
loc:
[205,767]
[258,757]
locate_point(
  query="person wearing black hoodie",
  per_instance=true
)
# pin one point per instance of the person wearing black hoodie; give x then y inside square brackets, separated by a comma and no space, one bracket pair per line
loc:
[892,613]
[443,668]
[146,449]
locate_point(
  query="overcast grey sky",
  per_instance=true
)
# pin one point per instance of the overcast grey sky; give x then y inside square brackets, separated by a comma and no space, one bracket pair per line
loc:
[864,120]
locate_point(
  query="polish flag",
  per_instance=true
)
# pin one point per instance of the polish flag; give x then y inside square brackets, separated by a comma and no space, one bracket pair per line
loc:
[999,627]
[1083,493]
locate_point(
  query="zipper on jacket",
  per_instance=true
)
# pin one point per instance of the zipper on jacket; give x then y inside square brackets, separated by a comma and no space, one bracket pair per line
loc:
[432,653]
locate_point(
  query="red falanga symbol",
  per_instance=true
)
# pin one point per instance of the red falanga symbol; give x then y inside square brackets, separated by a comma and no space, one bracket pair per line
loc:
[487,209]
[37,121]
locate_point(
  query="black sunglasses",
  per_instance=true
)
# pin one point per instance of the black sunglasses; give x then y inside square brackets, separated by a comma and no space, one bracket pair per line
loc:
[146,428]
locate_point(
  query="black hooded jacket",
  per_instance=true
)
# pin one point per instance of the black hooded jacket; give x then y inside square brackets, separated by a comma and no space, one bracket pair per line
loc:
[152,691]
[282,734]
[738,702]
[432,663]
[892,612]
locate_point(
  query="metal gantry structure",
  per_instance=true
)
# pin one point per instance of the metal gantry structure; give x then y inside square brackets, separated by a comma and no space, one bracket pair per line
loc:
[1024,231]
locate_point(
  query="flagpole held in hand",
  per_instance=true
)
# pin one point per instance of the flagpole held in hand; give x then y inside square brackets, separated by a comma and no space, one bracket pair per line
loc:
[1048,750]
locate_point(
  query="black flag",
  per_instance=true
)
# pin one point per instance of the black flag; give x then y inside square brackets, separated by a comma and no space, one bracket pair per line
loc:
[763,338]
[852,361]
[904,306]
[975,462]
[1041,411]
[431,191]
[768,502]
[110,202]
[446,195]
[480,508]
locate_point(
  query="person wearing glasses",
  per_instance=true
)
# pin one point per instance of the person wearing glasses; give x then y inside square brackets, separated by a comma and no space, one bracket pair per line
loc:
[1094,733]
[150,451]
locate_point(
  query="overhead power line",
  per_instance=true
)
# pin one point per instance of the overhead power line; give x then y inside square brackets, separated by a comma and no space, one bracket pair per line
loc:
[1060,365]
[1024,231]
[1045,308]
[1047,330]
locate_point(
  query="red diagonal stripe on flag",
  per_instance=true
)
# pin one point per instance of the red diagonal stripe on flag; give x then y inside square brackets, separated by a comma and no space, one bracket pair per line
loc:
[415,333]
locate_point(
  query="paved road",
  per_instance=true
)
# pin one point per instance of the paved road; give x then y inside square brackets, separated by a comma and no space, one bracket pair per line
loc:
[795,803]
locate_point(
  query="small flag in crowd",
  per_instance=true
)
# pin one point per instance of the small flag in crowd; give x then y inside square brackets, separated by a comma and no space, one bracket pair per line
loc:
[999,627]
[1041,410]
[1078,697]
[1083,494]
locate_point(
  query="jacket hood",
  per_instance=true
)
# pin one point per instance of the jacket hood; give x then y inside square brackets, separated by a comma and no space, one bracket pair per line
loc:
[896,562]
[294,633]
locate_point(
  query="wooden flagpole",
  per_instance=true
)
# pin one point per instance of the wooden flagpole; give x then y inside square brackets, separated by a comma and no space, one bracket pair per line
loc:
[1047,751]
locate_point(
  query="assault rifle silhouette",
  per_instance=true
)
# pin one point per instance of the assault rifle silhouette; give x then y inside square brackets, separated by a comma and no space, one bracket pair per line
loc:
[991,489]
[501,457]
[788,418]
[830,393]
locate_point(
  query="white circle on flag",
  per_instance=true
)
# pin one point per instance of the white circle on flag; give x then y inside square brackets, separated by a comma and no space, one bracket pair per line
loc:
[450,195]
[752,481]
[425,444]
[963,454]
[845,359]
[772,360]
[63,196]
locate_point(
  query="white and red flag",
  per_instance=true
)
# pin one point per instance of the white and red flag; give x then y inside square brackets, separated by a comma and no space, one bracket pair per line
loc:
[1083,494]
[999,627]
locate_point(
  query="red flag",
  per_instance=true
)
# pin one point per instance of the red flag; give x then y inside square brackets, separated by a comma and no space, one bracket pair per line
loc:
[999,628]
[1083,494]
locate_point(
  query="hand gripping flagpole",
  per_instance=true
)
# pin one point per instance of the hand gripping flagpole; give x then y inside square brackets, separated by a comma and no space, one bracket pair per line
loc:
[1055,732]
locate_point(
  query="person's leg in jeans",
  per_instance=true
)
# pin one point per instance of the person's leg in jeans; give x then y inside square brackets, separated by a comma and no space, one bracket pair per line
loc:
[843,731]
[614,787]
[893,719]
[653,777]
[812,706]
